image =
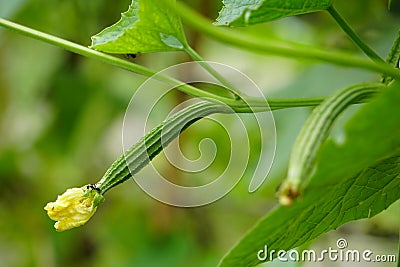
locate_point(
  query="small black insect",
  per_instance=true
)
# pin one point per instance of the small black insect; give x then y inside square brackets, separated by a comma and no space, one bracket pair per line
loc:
[93,187]
[131,55]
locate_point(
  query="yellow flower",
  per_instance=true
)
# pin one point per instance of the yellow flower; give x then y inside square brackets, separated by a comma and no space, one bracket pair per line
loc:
[74,208]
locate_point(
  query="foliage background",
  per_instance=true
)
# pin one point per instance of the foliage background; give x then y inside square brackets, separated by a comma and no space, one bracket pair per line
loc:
[60,126]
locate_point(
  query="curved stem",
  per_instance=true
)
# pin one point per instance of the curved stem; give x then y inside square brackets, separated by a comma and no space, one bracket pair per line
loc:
[353,35]
[90,53]
[394,55]
[251,104]
[76,48]
[256,44]
[393,58]
[196,57]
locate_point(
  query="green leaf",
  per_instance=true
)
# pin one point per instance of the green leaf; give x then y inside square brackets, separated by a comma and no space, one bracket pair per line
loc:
[372,134]
[356,178]
[284,228]
[147,26]
[248,12]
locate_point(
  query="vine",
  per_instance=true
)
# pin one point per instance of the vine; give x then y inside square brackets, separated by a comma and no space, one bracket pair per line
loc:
[348,167]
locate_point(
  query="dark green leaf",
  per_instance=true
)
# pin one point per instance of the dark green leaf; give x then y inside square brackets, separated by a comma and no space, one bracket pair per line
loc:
[322,210]
[372,134]
[148,26]
[248,12]
[353,180]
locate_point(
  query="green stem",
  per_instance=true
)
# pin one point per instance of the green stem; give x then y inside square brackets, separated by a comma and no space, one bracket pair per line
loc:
[76,48]
[90,53]
[393,58]
[256,44]
[252,104]
[196,57]
[353,35]
[394,54]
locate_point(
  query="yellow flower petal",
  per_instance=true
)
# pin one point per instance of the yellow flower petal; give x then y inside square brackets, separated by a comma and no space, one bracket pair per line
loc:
[73,208]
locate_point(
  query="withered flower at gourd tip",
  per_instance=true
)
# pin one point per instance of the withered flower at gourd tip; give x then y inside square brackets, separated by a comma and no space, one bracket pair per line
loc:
[74,208]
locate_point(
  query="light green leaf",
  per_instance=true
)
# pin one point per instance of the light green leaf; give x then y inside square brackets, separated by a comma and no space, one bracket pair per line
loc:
[148,26]
[353,180]
[248,12]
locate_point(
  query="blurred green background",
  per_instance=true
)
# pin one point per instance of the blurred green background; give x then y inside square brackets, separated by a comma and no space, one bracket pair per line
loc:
[61,121]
